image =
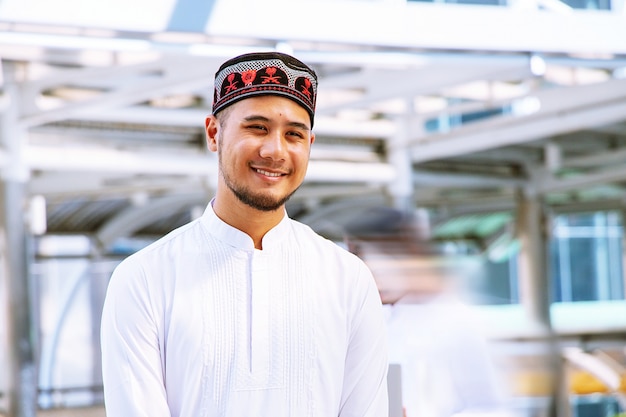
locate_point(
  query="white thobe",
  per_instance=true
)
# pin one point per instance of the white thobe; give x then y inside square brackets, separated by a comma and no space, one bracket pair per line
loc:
[202,324]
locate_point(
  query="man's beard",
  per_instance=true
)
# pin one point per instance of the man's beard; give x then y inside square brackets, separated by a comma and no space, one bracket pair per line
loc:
[257,201]
[247,196]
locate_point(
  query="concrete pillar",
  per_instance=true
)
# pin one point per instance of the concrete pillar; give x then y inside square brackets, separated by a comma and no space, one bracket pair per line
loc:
[623,213]
[399,156]
[98,284]
[533,276]
[535,293]
[15,254]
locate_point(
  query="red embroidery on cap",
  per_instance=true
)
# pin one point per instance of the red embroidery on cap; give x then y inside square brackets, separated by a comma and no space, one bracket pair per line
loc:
[270,78]
[248,76]
[306,87]
[232,85]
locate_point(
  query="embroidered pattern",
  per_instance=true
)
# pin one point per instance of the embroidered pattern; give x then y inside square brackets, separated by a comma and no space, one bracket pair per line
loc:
[264,76]
[306,88]
[270,78]
[231,85]
[248,77]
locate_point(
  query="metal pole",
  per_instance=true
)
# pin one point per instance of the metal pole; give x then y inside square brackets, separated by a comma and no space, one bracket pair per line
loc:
[22,387]
[534,283]
[98,285]
[535,292]
[401,189]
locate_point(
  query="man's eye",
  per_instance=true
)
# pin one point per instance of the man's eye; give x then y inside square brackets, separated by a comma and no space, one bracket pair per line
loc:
[259,127]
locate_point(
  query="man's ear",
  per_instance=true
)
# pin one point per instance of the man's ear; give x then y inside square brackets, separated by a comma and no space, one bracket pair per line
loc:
[211,127]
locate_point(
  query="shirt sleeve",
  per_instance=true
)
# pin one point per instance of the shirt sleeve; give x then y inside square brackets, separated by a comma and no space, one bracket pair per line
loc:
[365,381]
[132,370]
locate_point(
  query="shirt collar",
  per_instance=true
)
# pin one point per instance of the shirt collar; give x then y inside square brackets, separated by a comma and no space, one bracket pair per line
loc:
[238,239]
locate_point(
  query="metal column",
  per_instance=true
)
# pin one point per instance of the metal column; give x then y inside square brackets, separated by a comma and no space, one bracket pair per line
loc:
[534,283]
[535,290]
[22,387]
[399,156]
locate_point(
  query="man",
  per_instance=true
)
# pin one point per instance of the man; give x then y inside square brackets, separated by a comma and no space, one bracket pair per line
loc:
[246,312]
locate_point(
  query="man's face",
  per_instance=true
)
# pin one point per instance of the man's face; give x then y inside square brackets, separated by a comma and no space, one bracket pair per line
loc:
[263,145]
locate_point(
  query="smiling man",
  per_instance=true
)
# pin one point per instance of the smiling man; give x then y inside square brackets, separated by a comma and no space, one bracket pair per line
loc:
[263,145]
[244,311]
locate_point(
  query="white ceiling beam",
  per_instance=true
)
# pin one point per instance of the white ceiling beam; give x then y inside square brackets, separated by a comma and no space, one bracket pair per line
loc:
[104,160]
[55,76]
[107,160]
[598,159]
[319,192]
[381,85]
[139,91]
[582,181]
[515,132]
[324,125]
[345,172]
[57,185]
[443,180]
[562,110]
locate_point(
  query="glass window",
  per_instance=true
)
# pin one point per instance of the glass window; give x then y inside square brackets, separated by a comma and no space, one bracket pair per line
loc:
[586,257]
[445,122]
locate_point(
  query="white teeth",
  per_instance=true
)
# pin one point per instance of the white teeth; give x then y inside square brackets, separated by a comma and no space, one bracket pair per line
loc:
[269,174]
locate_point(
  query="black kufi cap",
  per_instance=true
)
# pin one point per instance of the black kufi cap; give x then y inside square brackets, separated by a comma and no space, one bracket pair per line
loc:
[265,73]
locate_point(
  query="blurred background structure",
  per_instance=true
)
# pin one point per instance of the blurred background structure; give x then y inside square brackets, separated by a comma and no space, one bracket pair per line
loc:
[498,127]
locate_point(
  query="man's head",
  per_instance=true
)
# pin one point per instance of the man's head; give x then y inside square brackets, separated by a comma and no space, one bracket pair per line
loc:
[261,128]
[265,73]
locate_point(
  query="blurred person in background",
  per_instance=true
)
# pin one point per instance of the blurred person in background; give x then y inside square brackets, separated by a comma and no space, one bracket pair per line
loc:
[244,311]
[445,362]
[446,367]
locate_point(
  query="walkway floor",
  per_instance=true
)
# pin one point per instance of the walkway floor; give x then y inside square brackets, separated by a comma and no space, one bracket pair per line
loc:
[71,412]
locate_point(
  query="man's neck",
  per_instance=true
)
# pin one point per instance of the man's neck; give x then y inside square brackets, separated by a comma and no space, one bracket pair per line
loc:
[255,223]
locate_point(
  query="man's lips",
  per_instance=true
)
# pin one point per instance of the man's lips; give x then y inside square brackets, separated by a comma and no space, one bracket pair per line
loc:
[269,173]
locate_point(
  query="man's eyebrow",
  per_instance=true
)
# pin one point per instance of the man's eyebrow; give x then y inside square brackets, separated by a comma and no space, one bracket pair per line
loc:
[299,125]
[259,118]
[256,118]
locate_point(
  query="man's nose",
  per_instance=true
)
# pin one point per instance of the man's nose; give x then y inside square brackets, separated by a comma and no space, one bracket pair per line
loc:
[273,146]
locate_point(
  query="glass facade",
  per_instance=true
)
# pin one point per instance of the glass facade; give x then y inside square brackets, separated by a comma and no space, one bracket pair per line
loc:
[585,262]
[586,257]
